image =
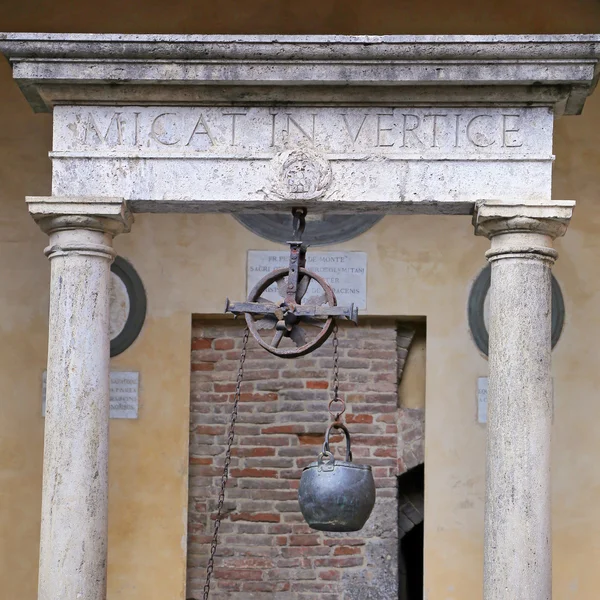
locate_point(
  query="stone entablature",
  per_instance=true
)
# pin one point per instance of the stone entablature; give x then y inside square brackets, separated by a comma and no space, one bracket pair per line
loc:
[365,123]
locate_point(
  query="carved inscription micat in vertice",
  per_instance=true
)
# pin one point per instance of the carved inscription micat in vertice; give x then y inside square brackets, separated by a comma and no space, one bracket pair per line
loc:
[332,130]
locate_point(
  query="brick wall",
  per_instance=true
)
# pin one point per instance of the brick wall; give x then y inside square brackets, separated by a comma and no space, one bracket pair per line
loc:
[266,549]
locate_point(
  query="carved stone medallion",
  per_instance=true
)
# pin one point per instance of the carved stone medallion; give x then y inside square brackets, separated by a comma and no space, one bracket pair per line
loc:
[478,310]
[127,306]
[299,174]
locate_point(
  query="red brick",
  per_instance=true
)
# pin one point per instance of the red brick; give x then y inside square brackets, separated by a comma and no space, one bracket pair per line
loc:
[340,562]
[266,586]
[253,452]
[350,418]
[269,473]
[245,574]
[346,551]
[248,562]
[203,366]
[200,460]
[305,551]
[256,397]
[230,586]
[390,418]
[223,344]
[201,343]
[280,528]
[225,387]
[316,439]
[209,429]
[261,441]
[344,541]
[375,440]
[206,356]
[329,575]
[317,385]
[283,429]
[256,517]
[385,452]
[305,540]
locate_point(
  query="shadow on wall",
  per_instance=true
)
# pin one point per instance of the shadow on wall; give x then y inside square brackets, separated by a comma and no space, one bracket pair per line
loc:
[411,487]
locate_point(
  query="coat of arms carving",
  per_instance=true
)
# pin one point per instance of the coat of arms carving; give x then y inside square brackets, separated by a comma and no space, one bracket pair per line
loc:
[299,174]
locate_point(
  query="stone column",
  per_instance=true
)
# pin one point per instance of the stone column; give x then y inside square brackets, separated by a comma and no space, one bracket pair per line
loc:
[73,540]
[518,541]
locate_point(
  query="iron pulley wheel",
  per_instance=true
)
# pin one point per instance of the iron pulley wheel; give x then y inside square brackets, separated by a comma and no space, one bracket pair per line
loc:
[306,325]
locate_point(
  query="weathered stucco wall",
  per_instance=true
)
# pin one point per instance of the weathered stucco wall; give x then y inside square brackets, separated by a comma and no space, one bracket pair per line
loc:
[417,266]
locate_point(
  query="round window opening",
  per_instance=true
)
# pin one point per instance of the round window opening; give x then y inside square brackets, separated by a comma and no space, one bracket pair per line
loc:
[320,229]
[478,310]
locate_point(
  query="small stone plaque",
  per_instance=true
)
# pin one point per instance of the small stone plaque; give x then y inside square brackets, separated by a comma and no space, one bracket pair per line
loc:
[346,273]
[482,399]
[124,394]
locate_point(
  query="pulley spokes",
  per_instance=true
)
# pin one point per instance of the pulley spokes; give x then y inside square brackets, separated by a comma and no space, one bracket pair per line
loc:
[290,327]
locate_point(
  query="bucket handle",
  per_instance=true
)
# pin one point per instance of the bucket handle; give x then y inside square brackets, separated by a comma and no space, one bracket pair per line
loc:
[326,451]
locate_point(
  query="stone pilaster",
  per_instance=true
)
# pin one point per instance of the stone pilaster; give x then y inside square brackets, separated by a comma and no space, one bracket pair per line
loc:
[518,542]
[73,541]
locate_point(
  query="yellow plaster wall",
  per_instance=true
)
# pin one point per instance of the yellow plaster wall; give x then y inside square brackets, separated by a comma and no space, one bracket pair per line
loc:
[417,266]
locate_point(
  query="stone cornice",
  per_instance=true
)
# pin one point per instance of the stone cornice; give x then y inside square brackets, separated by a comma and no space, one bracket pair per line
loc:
[107,215]
[557,70]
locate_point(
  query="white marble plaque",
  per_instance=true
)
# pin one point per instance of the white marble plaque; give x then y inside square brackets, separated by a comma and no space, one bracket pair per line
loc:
[482,399]
[124,394]
[346,273]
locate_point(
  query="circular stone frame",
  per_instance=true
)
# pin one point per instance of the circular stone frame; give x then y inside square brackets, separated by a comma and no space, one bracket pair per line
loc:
[333,229]
[137,306]
[476,303]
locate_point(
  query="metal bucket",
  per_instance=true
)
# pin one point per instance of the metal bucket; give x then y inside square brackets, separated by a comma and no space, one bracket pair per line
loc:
[336,495]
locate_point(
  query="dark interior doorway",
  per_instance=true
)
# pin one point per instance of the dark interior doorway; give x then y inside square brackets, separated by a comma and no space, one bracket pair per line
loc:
[411,487]
[411,547]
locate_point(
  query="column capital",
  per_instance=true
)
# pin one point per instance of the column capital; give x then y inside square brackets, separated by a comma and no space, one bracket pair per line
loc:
[58,213]
[496,217]
[523,230]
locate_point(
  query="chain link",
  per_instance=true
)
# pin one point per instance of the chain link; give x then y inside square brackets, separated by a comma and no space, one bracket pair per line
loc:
[336,380]
[234,414]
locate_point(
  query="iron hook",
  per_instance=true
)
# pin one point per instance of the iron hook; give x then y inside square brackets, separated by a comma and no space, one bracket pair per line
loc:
[298,223]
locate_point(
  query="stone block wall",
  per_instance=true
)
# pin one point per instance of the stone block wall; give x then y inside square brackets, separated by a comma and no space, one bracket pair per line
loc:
[266,549]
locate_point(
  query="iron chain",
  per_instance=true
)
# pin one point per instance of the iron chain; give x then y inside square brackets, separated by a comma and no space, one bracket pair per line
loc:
[234,414]
[336,380]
